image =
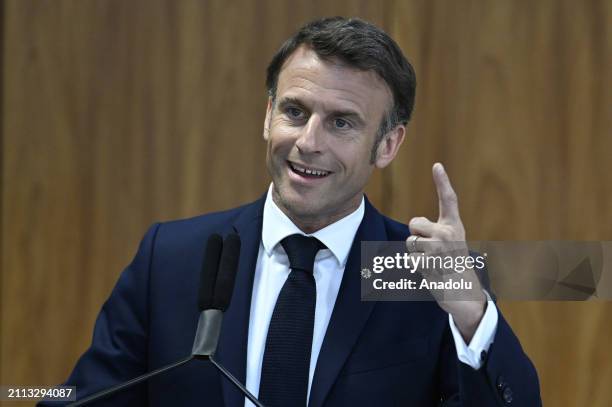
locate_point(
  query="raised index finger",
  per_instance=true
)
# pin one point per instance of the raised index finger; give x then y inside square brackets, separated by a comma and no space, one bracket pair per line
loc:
[447,198]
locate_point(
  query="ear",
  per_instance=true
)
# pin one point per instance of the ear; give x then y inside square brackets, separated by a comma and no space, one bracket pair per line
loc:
[389,146]
[266,129]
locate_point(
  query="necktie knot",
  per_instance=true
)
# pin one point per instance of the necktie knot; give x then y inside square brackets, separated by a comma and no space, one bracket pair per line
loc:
[301,251]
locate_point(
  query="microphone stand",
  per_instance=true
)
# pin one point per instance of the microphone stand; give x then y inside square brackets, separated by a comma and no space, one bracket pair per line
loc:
[108,392]
[205,345]
[235,381]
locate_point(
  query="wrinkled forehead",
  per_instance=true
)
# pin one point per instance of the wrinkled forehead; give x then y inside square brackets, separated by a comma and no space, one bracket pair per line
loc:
[329,80]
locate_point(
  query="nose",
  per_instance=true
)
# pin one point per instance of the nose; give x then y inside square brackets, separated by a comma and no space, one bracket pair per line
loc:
[311,136]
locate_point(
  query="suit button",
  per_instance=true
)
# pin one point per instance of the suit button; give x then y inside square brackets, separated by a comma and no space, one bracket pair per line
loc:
[483,356]
[507,395]
[501,383]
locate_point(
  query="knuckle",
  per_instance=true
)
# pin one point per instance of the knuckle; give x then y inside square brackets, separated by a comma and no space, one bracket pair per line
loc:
[416,221]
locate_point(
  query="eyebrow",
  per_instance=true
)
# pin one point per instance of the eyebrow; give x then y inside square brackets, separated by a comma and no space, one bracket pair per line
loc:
[289,101]
[343,113]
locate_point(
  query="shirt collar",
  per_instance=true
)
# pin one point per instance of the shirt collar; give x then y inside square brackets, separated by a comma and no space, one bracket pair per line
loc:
[338,237]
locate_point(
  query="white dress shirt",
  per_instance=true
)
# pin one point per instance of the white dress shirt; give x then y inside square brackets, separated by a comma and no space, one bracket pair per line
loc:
[272,270]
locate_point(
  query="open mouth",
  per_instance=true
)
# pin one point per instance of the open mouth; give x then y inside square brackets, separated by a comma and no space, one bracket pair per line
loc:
[308,172]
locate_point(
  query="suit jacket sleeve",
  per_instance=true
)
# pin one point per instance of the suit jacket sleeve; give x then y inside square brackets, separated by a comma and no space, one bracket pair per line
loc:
[118,349]
[506,378]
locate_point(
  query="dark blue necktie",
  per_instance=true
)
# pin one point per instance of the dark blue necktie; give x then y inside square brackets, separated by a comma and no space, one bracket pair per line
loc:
[286,362]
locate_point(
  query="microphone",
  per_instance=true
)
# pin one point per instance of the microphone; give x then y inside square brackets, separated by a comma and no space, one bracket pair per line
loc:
[210,267]
[216,286]
[213,304]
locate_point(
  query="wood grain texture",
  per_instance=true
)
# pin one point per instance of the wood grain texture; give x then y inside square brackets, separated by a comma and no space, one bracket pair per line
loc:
[514,98]
[118,114]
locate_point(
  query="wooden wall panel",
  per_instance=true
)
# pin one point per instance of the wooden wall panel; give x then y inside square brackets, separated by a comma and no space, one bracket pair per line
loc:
[117,114]
[514,98]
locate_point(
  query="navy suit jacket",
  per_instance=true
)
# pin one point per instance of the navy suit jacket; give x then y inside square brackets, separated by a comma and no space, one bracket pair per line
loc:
[374,353]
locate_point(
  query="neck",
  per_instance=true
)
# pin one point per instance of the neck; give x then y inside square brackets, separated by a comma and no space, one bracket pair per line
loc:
[310,223]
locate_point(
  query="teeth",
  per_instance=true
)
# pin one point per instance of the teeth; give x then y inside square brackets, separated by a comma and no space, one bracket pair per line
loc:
[309,171]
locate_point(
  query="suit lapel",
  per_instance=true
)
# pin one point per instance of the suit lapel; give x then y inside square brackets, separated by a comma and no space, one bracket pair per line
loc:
[350,313]
[232,350]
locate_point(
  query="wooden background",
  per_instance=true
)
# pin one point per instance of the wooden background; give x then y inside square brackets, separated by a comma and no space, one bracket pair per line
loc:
[116,114]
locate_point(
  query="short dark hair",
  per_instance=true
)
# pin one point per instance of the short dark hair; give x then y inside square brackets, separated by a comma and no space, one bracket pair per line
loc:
[360,45]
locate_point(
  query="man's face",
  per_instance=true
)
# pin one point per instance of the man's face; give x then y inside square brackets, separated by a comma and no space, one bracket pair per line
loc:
[320,131]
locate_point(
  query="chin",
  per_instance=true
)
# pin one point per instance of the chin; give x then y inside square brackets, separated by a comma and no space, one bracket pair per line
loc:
[298,206]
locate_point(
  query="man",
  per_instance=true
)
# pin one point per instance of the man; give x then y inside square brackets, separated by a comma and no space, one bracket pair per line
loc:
[296,332]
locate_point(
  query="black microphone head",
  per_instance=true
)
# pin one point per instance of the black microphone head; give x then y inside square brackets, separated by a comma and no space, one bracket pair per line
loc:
[210,267]
[228,268]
